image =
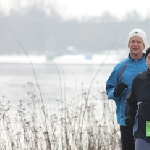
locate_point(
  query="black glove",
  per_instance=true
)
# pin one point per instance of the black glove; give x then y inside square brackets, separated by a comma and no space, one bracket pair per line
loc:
[119,89]
[129,121]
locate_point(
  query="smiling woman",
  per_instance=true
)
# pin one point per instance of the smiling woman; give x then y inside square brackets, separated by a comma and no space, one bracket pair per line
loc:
[78,8]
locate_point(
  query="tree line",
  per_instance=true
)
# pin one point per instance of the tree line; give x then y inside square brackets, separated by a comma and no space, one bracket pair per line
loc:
[42,34]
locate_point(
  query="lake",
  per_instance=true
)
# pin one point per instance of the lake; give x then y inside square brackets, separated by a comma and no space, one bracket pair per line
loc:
[57,83]
[54,82]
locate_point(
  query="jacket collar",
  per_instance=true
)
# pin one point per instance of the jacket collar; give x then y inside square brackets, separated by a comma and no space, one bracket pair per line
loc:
[136,59]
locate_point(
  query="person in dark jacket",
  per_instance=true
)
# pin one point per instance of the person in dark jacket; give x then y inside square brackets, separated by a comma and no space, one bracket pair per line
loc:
[137,109]
[119,82]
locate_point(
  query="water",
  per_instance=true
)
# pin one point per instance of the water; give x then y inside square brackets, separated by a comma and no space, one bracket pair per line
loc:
[17,80]
[53,81]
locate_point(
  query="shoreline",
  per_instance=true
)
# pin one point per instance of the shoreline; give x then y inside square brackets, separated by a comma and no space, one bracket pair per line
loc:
[61,60]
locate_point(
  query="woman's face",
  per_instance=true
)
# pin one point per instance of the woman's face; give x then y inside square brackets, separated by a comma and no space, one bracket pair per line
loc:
[148,60]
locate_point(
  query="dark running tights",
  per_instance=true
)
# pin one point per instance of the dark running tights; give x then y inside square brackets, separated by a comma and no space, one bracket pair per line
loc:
[127,138]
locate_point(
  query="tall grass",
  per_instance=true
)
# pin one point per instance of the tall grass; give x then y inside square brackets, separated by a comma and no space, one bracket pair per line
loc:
[73,125]
[84,121]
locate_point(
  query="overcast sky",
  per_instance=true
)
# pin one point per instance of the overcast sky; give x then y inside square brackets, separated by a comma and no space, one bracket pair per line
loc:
[78,8]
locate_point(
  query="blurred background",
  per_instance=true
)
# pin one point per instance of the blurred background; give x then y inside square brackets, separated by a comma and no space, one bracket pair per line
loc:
[57,27]
[77,41]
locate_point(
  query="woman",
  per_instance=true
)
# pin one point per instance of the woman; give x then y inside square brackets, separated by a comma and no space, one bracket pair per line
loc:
[137,107]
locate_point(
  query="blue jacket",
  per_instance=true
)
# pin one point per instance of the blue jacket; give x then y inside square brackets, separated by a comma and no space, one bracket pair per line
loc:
[133,67]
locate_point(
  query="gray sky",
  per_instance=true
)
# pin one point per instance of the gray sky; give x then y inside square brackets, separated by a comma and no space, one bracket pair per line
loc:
[79,8]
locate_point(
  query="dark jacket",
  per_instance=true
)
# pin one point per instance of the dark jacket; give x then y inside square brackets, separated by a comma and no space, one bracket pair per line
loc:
[137,107]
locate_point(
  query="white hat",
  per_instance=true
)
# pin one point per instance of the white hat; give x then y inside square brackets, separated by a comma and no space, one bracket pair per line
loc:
[137,32]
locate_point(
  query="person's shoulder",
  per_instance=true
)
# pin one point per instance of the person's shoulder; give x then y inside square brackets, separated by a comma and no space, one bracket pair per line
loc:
[122,63]
[141,76]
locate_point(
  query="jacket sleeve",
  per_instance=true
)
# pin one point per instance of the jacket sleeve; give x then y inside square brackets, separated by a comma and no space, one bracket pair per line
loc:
[111,83]
[131,104]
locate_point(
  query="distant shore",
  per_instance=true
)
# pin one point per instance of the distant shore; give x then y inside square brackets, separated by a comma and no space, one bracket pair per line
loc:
[62,60]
